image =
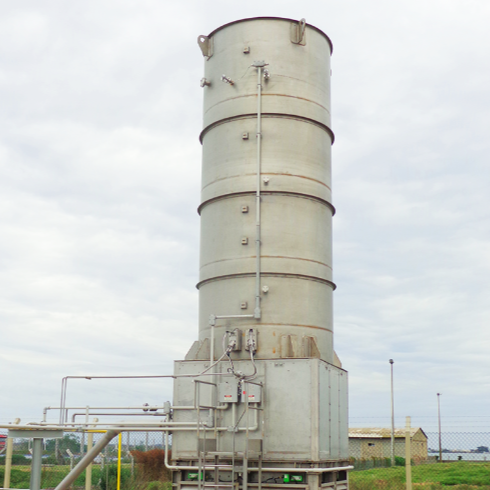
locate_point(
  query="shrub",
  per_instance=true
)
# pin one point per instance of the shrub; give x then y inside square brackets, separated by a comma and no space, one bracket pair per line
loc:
[50,460]
[399,461]
[19,459]
[151,465]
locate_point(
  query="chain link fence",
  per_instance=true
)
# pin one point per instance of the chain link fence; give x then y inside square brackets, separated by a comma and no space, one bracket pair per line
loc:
[460,462]
[140,467]
[419,459]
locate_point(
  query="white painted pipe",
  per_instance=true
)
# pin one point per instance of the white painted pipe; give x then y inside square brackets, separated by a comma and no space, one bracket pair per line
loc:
[257,311]
[87,459]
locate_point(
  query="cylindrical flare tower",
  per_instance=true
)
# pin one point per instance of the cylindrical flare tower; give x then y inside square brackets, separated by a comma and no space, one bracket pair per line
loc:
[261,399]
[266,211]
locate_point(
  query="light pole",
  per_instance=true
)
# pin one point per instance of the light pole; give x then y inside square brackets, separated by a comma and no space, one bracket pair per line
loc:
[439,421]
[392,417]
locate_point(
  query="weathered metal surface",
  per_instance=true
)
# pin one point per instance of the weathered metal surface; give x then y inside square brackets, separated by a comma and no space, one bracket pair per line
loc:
[296,209]
[265,264]
[299,75]
[300,418]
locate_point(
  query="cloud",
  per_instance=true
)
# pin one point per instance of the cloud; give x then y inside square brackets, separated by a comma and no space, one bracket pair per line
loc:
[100,166]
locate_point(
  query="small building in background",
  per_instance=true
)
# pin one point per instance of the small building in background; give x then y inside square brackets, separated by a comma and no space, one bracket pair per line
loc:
[367,443]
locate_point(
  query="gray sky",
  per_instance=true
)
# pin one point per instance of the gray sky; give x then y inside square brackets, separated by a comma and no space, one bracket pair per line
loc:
[100,170]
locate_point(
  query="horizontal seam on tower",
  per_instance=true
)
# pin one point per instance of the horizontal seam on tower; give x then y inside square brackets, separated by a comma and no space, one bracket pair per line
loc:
[268,173]
[267,193]
[267,274]
[267,115]
[266,257]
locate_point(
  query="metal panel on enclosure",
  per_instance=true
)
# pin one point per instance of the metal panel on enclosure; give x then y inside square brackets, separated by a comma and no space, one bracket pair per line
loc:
[285,420]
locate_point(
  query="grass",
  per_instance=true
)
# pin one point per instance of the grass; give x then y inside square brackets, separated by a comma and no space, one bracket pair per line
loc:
[51,476]
[460,475]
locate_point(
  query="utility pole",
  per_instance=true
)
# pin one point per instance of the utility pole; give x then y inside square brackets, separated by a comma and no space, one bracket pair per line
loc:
[392,417]
[439,421]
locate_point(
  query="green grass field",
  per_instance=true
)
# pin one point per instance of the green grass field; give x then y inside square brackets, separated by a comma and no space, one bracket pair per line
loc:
[51,476]
[459,475]
[102,479]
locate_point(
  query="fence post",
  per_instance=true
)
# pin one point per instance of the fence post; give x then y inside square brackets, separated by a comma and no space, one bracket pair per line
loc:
[8,459]
[88,470]
[408,455]
[8,462]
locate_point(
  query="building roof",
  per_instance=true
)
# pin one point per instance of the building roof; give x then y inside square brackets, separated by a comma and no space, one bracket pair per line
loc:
[381,433]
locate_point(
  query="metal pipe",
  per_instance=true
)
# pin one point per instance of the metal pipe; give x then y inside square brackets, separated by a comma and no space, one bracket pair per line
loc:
[146,408]
[301,470]
[87,459]
[245,455]
[37,454]
[439,424]
[211,348]
[257,311]
[175,467]
[64,382]
[408,454]
[64,387]
[130,428]
[225,317]
[392,418]
[273,469]
[126,414]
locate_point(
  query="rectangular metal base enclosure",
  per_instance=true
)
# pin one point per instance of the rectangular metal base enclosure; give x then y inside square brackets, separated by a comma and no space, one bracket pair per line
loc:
[285,427]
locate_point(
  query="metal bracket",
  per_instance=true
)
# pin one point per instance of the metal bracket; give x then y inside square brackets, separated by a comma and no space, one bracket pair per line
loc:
[206,45]
[298,32]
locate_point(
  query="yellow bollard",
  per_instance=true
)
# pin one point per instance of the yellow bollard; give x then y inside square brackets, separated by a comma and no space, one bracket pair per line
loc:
[119,461]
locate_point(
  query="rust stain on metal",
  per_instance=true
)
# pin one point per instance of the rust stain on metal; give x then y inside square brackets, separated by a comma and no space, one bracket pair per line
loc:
[242,275]
[295,325]
[295,258]
[266,95]
[267,115]
[266,257]
[253,174]
[266,193]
